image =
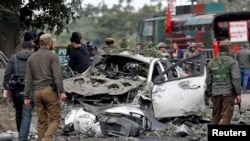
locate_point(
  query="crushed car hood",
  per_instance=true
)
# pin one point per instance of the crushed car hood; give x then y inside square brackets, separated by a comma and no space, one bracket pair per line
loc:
[111,81]
[94,85]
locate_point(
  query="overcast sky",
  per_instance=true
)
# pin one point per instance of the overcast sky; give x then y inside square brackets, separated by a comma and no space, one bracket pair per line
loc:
[136,3]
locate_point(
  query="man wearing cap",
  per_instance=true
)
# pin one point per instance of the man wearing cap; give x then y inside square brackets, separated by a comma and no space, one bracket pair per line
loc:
[109,41]
[223,84]
[70,46]
[200,50]
[163,48]
[243,58]
[110,44]
[79,59]
[200,47]
[191,51]
[43,70]
[95,55]
[16,68]
[29,37]
[189,68]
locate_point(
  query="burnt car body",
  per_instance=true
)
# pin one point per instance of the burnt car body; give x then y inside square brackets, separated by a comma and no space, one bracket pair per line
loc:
[126,78]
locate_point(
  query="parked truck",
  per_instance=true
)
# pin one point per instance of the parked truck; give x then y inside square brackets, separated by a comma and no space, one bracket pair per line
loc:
[206,23]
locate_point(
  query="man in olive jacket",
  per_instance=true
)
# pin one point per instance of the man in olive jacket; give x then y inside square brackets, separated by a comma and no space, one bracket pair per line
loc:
[43,70]
[223,84]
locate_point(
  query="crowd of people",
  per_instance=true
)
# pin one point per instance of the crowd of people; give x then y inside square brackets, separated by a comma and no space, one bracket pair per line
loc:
[175,53]
[37,68]
[227,75]
[33,78]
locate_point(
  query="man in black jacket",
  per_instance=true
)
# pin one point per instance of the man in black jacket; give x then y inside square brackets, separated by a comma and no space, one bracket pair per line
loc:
[14,84]
[79,59]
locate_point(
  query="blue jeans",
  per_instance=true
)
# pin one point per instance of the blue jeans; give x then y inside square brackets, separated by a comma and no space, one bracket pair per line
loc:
[244,76]
[17,98]
[26,119]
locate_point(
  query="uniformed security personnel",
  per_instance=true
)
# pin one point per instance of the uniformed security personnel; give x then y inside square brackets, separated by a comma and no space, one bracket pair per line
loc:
[163,49]
[110,44]
[200,47]
[223,84]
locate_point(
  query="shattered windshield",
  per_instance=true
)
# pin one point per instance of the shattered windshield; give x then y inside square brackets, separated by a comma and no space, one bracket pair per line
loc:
[124,67]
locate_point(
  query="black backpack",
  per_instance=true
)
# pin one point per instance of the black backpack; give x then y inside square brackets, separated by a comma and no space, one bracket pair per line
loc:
[17,81]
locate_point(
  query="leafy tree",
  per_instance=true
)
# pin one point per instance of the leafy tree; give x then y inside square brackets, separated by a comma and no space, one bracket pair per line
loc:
[18,16]
[118,22]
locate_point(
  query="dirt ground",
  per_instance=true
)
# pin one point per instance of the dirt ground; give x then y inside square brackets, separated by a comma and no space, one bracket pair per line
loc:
[7,122]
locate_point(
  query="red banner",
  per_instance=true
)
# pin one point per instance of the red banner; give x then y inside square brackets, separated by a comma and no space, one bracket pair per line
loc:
[215,48]
[168,21]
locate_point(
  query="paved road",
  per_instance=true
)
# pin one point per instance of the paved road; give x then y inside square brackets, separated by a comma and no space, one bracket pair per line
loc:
[245,100]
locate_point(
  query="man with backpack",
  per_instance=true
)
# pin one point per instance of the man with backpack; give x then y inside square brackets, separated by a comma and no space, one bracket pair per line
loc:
[13,83]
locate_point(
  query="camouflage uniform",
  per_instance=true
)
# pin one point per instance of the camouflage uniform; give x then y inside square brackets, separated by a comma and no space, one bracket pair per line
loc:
[223,82]
[110,45]
[189,68]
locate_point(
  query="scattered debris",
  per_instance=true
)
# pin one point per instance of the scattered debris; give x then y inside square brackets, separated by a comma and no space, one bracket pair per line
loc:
[5,137]
[182,131]
[126,78]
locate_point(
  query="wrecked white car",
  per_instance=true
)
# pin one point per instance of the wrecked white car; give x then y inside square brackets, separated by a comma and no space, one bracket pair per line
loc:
[153,88]
[122,120]
[126,77]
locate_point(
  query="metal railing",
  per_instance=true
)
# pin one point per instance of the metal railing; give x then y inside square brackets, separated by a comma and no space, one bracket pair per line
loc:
[209,54]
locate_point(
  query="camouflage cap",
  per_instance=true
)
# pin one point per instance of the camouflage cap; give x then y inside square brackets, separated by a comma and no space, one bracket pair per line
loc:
[192,45]
[161,44]
[225,42]
[200,45]
[109,40]
[224,45]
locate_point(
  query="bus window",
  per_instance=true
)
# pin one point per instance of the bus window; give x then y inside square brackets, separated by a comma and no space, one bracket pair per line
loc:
[147,29]
[222,31]
[206,27]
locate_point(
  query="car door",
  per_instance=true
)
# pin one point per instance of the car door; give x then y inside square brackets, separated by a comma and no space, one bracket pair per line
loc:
[180,94]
